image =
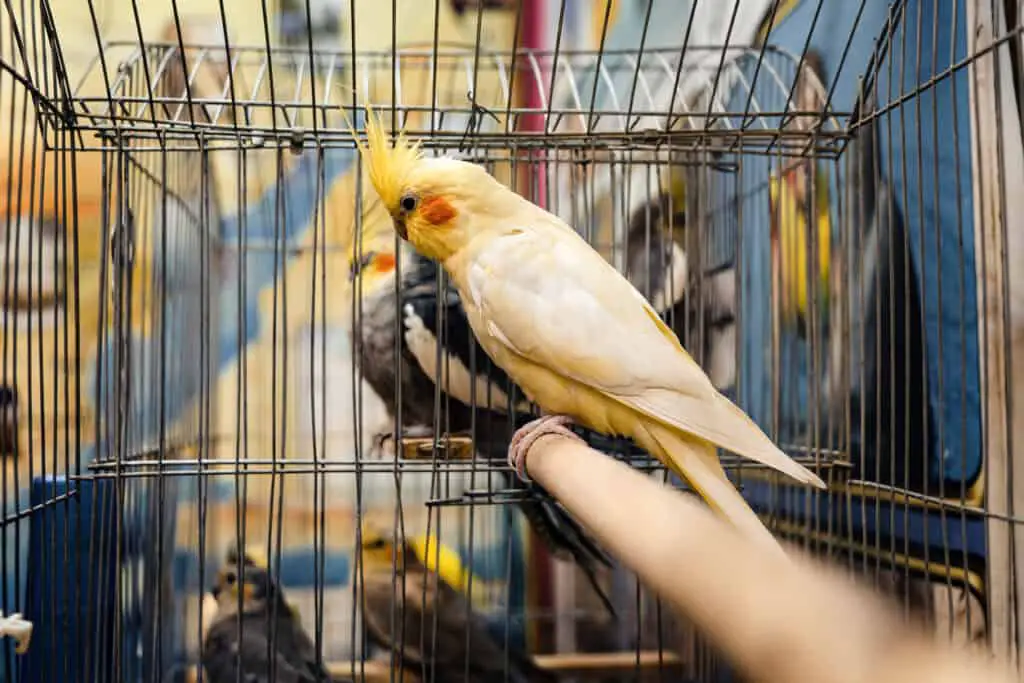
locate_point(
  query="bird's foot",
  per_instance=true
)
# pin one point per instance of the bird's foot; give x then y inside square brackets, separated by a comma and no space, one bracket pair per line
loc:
[526,435]
[384,443]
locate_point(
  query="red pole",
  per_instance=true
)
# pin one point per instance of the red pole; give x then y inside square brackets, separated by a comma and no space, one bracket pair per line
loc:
[540,584]
[533,38]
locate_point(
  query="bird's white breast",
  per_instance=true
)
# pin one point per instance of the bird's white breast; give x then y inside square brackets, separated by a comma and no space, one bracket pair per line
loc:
[471,283]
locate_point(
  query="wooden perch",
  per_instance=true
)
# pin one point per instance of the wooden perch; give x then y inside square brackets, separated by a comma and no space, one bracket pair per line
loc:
[449,447]
[775,618]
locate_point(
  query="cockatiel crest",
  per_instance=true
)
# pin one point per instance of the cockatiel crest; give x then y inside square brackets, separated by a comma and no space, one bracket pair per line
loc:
[427,196]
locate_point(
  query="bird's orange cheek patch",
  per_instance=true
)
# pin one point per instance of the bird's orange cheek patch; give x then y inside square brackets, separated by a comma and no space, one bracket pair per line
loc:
[437,211]
[384,263]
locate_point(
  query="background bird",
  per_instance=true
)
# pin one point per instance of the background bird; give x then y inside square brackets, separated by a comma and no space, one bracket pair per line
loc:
[570,330]
[429,626]
[256,635]
[696,301]
[656,262]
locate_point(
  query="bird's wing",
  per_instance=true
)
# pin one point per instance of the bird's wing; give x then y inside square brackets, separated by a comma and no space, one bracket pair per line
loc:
[466,372]
[378,603]
[223,645]
[408,603]
[219,652]
[297,645]
[488,657]
[458,628]
[423,603]
[278,668]
[551,299]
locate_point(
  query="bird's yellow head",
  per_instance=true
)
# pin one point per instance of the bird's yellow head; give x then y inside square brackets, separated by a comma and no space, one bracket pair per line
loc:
[371,254]
[432,201]
[380,551]
[252,586]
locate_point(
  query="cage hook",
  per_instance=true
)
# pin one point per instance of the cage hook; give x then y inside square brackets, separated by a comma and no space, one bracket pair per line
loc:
[476,114]
[297,141]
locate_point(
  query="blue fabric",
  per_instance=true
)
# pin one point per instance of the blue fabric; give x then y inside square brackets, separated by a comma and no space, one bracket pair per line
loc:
[68,611]
[918,143]
[938,212]
[876,525]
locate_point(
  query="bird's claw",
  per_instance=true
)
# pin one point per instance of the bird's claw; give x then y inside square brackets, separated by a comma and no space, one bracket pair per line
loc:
[381,442]
[384,443]
[528,434]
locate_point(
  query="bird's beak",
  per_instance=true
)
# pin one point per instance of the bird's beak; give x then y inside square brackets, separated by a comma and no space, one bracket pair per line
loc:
[356,267]
[215,591]
[400,228]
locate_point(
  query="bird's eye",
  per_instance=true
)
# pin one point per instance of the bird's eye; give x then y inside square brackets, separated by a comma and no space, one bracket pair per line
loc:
[230,578]
[408,203]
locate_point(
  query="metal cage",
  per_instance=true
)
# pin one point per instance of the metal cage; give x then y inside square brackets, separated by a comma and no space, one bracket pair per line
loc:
[184,205]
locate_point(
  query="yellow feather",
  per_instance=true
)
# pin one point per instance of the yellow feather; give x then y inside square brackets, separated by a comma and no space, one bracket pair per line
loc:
[387,165]
[793,236]
[446,563]
[439,558]
[697,461]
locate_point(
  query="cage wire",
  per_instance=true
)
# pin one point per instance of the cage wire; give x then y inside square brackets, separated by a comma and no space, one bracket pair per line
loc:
[214,341]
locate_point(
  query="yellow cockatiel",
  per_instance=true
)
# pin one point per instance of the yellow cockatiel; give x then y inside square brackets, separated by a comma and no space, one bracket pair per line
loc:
[571,331]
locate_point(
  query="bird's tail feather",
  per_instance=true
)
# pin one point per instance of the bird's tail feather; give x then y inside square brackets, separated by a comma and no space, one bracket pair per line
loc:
[563,534]
[566,539]
[772,456]
[697,461]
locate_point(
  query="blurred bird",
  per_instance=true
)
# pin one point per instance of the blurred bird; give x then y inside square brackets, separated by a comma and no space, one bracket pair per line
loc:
[567,327]
[706,321]
[801,226]
[468,378]
[433,627]
[791,243]
[256,636]
[655,260]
